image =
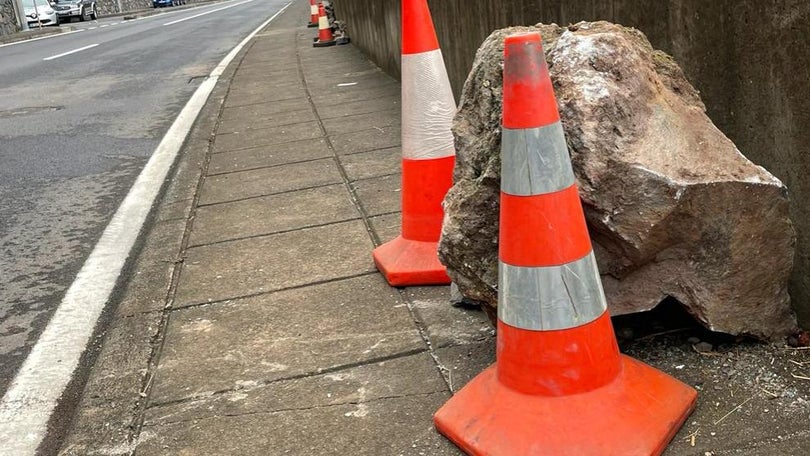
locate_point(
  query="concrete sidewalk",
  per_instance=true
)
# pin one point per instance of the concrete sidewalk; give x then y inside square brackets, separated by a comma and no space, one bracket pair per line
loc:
[253,321]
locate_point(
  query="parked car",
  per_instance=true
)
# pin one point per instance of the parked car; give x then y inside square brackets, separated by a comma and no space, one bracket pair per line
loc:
[83,9]
[39,12]
[162,3]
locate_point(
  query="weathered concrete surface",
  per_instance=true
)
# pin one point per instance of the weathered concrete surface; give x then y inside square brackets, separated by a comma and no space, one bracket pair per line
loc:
[673,207]
[298,416]
[268,181]
[260,265]
[272,214]
[258,340]
[267,156]
[755,93]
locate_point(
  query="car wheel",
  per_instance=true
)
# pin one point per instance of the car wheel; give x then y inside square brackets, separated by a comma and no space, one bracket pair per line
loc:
[94,13]
[81,15]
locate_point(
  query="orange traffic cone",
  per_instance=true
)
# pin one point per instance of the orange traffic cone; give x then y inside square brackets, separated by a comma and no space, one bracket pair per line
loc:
[428,154]
[325,37]
[313,13]
[559,386]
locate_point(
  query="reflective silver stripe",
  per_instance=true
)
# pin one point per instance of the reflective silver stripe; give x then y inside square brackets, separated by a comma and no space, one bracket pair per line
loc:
[549,298]
[428,107]
[535,161]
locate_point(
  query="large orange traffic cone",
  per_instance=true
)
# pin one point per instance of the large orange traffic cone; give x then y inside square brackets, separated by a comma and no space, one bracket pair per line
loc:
[559,385]
[428,154]
[313,13]
[325,37]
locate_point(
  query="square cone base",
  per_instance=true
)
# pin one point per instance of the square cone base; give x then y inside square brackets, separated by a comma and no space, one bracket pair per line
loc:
[404,263]
[637,414]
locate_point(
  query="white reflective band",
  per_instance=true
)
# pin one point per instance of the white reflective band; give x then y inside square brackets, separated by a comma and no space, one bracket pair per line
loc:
[428,107]
[535,161]
[550,298]
[313,9]
[323,23]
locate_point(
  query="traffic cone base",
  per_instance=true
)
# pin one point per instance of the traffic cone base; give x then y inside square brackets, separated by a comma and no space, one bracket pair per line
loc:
[324,43]
[405,262]
[637,413]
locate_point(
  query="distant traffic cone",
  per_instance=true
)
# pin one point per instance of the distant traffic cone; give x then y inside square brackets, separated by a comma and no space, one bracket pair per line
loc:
[559,385]
[428,155]
[313,13]
[325,37]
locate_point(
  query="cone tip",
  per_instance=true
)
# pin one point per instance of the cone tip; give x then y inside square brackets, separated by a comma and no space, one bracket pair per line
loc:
[523,38]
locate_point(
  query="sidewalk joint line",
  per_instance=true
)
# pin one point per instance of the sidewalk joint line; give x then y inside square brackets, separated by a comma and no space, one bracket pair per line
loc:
[268,145]
[266,127]
[264,195]
[276,165]
[274,233]
[335,156]
[296,409]
[303,375]
[267,292]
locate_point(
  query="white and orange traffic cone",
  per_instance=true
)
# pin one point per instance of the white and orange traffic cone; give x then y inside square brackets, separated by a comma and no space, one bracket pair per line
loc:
[428,155]
[325,37]
[559,385]
[313,13]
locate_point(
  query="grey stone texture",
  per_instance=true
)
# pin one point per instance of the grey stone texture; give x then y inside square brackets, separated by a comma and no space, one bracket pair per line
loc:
[673,208]
[756,94]
[8,18]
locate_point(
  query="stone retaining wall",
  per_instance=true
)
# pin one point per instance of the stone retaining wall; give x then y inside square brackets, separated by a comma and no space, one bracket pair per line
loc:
[750,60]
[8,20]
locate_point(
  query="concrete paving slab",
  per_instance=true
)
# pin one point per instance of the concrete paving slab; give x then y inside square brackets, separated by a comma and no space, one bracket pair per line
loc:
[263,264]
[396,426]
[375,163]
[366,140]
[354,94]
[88,437]
[387,226]
[463,363]
[403,376]
[445,324]
[268,181]
[360,122]
[276,120]
[119,374]
[146,291]
[261,84]
[262,96]
[272,214]
[360,107]
[247,342]
[266,136]
[266,156]
[266,109]
[379,195]
[334,80]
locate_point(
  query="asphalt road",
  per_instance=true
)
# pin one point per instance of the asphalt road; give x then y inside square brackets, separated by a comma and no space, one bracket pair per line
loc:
[80,114]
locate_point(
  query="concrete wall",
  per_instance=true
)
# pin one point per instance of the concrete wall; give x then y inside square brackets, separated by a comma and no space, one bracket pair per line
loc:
[750,59]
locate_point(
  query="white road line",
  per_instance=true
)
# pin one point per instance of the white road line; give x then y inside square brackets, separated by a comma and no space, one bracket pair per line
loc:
[105,25]
[92,28]
[30,400]
[207,12]
[70,52]
[41,38]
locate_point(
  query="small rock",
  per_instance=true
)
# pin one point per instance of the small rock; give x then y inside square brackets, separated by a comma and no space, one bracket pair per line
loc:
[693,340]
[703,347]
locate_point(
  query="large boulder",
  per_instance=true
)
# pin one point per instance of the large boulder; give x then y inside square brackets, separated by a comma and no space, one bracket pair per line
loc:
[673,208]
